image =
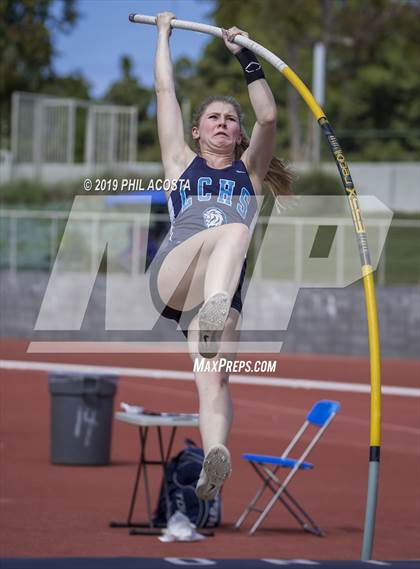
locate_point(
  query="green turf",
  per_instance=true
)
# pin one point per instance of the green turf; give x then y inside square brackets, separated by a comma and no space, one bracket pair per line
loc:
[402,256]
[399,263]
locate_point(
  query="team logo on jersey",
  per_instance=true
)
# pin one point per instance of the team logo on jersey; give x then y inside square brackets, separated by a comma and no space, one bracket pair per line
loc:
[213,217]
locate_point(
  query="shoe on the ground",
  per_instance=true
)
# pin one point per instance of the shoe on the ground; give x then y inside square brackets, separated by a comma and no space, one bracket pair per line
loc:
[211,320]
[216,469]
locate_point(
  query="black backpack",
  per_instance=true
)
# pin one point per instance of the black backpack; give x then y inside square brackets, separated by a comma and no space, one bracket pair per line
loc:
[182,474]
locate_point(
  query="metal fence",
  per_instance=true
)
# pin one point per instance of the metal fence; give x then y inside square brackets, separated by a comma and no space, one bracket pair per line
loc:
[30,240]
[45,130]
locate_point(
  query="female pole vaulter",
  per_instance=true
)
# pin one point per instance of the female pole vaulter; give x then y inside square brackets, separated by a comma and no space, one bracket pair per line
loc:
[213,209]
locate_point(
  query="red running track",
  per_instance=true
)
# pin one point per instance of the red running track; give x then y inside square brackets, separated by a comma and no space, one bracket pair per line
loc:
[64,511]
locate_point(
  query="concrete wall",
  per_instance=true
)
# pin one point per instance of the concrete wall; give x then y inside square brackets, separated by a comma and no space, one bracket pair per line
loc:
[329,321]
[396,184]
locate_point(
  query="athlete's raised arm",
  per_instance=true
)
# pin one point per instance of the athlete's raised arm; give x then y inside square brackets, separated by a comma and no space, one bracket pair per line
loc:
[176,154]
[258,155]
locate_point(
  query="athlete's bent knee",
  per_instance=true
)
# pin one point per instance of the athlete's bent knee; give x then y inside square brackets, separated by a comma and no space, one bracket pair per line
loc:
[238,230]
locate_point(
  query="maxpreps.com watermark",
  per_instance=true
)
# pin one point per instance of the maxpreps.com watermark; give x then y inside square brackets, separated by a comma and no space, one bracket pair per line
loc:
[133,185]
[237,366]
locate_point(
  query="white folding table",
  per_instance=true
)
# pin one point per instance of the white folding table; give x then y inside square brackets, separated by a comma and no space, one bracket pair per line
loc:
[144,422]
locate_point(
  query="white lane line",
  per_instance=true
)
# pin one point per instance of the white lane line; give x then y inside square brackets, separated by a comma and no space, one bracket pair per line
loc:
[189,376]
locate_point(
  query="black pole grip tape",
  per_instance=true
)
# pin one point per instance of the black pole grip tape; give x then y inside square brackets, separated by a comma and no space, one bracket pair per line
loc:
[374,454]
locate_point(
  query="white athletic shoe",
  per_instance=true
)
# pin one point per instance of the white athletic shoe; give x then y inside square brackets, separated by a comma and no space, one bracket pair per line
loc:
[216,469]
[211,320]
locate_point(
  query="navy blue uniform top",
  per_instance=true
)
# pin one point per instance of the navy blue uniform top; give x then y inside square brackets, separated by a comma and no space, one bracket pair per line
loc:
[208,197]
[205,197]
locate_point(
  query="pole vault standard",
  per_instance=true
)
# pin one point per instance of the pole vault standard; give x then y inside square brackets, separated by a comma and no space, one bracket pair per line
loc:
[367,271]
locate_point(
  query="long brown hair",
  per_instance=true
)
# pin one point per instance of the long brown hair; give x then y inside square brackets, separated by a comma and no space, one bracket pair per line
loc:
[279,178]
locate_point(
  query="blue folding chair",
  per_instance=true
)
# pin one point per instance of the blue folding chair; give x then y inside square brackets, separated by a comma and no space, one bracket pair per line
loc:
[319,417]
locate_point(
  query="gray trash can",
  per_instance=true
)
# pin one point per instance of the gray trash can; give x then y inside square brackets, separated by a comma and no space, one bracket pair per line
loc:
[81,418]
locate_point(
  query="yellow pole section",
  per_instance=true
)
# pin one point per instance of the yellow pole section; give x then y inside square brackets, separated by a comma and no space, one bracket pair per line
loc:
[368,283]
[375,357]
[304,92]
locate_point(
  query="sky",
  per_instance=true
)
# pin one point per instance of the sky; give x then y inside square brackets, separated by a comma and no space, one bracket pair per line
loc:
[103,34]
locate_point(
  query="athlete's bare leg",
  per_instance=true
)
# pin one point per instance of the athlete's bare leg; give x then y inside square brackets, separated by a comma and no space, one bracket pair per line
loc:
[225,261]
[208,262]
[213,386]
[216,410]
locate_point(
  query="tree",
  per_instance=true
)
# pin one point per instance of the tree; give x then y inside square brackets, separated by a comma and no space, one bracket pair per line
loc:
[26,47]
[129,91]
[74,85]
[373,87]
[373,71]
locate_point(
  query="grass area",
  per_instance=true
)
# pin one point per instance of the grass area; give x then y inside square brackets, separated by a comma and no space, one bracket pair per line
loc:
[34,193]
[401,256]
[399,262]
